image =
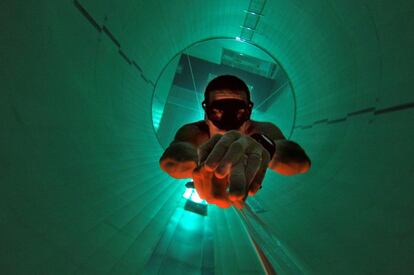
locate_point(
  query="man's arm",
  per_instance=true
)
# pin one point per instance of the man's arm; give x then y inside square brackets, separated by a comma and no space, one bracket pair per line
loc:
[180,158]
[289,158]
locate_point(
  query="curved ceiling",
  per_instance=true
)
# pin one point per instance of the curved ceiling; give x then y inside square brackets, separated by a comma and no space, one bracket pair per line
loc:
[82,191]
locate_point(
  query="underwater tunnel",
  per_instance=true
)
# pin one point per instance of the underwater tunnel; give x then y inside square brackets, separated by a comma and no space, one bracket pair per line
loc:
[91,92]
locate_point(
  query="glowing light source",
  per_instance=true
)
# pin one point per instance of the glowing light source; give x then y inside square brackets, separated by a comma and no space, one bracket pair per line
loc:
[194,203]
[196,198]
[188,192]
[191,194]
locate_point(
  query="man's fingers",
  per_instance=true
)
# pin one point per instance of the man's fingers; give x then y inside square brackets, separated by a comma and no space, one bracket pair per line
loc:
[219,193]
[220,149]
[237,182]
[202,182]
[232,156]
[198,183]
[205,149]
[255,161]
[254,187]
[238,204]
[253,166]
[257,182]
[258,178]
[210,188]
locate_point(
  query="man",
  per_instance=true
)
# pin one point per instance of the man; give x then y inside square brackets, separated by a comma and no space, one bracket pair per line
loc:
[227,154]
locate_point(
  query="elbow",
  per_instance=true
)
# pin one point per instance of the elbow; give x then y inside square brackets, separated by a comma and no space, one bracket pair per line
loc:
[305,168]
[178,170]
[290,169]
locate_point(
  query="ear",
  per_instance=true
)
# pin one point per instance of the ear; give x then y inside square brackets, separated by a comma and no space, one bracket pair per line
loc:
[204,105]
[250,108]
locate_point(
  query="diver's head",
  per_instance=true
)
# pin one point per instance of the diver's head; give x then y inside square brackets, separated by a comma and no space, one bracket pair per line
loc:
[227,102]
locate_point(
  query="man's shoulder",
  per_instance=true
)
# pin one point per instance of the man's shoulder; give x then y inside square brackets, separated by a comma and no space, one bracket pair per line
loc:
[260,125]
[267,128]
[195,127]
[195,132]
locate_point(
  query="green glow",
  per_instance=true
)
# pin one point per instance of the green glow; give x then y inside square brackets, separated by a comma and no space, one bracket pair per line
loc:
[81,187]
[192,195]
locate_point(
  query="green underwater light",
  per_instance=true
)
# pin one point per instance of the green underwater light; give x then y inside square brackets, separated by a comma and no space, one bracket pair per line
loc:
[194,203]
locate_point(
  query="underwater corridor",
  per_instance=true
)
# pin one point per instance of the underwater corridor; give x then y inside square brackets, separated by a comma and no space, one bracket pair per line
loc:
[81,133]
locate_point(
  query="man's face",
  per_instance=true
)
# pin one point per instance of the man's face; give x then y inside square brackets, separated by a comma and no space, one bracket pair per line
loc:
[228,110]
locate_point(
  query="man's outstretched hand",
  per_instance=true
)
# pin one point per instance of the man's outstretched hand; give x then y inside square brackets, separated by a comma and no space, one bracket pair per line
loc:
[231,166]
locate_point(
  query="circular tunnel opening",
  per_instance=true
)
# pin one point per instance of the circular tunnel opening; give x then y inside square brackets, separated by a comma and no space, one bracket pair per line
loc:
[179,89]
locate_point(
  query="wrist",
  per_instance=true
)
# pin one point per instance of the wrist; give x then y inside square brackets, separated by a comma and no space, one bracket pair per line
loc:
[267,143]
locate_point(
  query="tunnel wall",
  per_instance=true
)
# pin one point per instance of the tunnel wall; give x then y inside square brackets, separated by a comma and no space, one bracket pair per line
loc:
[349,65]
[81,187]
[77,149]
